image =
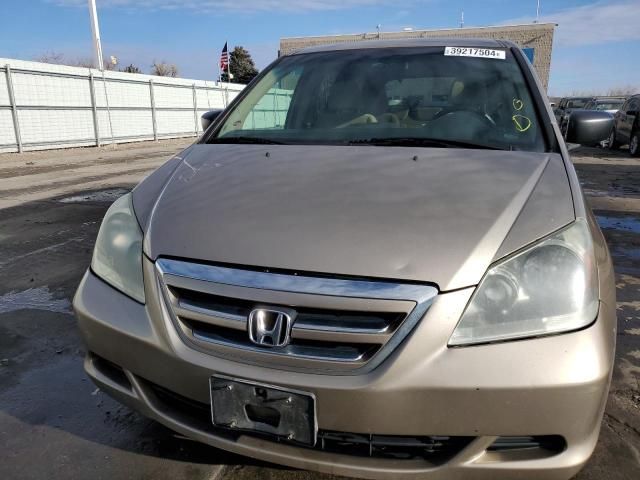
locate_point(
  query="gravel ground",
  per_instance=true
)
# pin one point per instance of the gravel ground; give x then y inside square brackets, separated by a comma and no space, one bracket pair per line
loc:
[55,424]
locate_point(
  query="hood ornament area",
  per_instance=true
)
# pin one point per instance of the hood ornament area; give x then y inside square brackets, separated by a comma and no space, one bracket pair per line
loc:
[270,327]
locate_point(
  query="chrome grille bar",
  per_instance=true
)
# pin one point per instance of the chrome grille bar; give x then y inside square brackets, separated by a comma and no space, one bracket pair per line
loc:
[297,283]
[343,325]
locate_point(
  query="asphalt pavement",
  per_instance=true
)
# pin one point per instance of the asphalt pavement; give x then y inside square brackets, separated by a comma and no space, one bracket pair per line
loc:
[55,424]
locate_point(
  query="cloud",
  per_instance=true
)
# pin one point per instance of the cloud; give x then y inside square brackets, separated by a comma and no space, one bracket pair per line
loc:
[246,6]
[593,24]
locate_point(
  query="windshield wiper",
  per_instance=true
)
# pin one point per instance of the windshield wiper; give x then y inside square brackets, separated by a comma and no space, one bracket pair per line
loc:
[420,142]
[246,140]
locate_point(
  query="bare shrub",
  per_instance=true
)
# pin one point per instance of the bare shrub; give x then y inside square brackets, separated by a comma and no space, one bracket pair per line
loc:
[623,91]
[164,69]
[57,58]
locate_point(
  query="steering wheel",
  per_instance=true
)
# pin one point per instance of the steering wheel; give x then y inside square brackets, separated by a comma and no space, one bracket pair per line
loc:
[364,119]
[389,118]
[448,111]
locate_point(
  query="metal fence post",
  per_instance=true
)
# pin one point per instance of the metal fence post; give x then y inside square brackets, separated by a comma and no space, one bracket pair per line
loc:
[94,107]
[14,108]
[195,108]
[153,111]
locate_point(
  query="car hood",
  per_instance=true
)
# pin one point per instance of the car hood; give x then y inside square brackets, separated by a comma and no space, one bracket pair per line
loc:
[415,214]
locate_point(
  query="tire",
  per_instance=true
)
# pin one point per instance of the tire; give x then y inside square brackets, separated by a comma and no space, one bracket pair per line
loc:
[613,143]
[634,143]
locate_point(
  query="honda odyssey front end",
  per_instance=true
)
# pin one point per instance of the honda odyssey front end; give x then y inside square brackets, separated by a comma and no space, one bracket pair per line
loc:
[377,262]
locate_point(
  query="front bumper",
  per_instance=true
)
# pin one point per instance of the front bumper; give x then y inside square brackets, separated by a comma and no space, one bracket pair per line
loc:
[549,386]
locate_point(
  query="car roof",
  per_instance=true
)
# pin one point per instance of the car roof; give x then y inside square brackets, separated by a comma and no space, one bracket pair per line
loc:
[407,42]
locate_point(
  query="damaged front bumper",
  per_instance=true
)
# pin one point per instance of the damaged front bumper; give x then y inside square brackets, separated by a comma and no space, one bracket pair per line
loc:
[446,412]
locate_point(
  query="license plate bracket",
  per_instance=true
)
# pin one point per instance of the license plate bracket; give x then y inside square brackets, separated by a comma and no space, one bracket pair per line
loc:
[252,407]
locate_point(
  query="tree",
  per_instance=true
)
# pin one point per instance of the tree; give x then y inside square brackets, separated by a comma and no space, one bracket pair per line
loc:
[57,58]
[241,65]
[164,69]
[623,91]
[131,68]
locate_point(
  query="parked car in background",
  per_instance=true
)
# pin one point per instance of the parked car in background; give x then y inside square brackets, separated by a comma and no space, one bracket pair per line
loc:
[626,126]
[567,104]
[392,275]
[603,104]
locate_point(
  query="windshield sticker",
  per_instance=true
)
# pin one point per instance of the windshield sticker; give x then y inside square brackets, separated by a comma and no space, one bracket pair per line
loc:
[521,123]
[474,52]
[517,104]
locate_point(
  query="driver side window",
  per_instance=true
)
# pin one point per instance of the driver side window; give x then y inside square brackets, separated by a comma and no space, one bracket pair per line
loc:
[270,112]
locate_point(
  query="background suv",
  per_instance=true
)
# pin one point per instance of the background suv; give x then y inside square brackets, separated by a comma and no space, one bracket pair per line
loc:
[626,128]
[567,104]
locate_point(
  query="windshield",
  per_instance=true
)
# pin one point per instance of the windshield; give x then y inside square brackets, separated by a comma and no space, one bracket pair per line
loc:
[609,106]
[577,103]
[389,96]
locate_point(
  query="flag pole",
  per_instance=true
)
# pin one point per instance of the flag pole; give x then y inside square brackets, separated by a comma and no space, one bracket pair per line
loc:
[219,74]
[228,73]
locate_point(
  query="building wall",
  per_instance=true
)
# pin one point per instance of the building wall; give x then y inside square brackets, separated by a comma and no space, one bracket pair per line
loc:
[51,106]
[535,36]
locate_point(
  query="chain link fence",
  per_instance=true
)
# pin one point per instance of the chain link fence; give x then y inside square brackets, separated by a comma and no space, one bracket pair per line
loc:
[46,106]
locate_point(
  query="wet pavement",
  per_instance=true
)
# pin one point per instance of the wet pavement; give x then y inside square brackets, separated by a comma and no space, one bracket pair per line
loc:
[55,424]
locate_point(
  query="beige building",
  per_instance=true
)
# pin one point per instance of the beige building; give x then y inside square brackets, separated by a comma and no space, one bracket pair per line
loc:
[535,38]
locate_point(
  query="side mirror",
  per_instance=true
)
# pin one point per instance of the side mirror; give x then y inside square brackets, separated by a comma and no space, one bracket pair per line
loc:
[209,117]
[589,127]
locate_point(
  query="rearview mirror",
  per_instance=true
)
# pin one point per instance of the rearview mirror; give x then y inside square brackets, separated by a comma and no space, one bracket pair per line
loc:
[589,127]
[209,117]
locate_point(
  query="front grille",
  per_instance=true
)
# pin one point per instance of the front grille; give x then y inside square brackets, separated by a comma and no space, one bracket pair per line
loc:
[434,448]
[306,349]
[341,325]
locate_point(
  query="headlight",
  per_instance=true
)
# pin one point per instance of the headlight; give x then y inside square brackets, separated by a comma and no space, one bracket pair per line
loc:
[550,287]
[117,256]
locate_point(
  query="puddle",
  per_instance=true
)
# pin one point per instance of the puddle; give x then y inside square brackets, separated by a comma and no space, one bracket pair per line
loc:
[589,192]
[627,224]
[34,299]
[110,195]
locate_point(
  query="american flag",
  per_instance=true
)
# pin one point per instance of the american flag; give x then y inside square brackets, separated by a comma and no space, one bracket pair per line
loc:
[224,58]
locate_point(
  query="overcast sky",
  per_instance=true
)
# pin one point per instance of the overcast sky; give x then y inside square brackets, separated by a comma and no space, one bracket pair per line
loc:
[597,44]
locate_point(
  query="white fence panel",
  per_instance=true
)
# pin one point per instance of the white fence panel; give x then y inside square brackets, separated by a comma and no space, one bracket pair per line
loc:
[121,94]
[125,124]
[55,127]
[52,106]
[171,122]
[173,97]
[32,89]
[7,136]
[208,99]
[4,91]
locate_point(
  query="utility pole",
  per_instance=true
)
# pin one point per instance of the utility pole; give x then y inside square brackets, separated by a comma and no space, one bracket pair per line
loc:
[537,12]
[95,29]
[462,19]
